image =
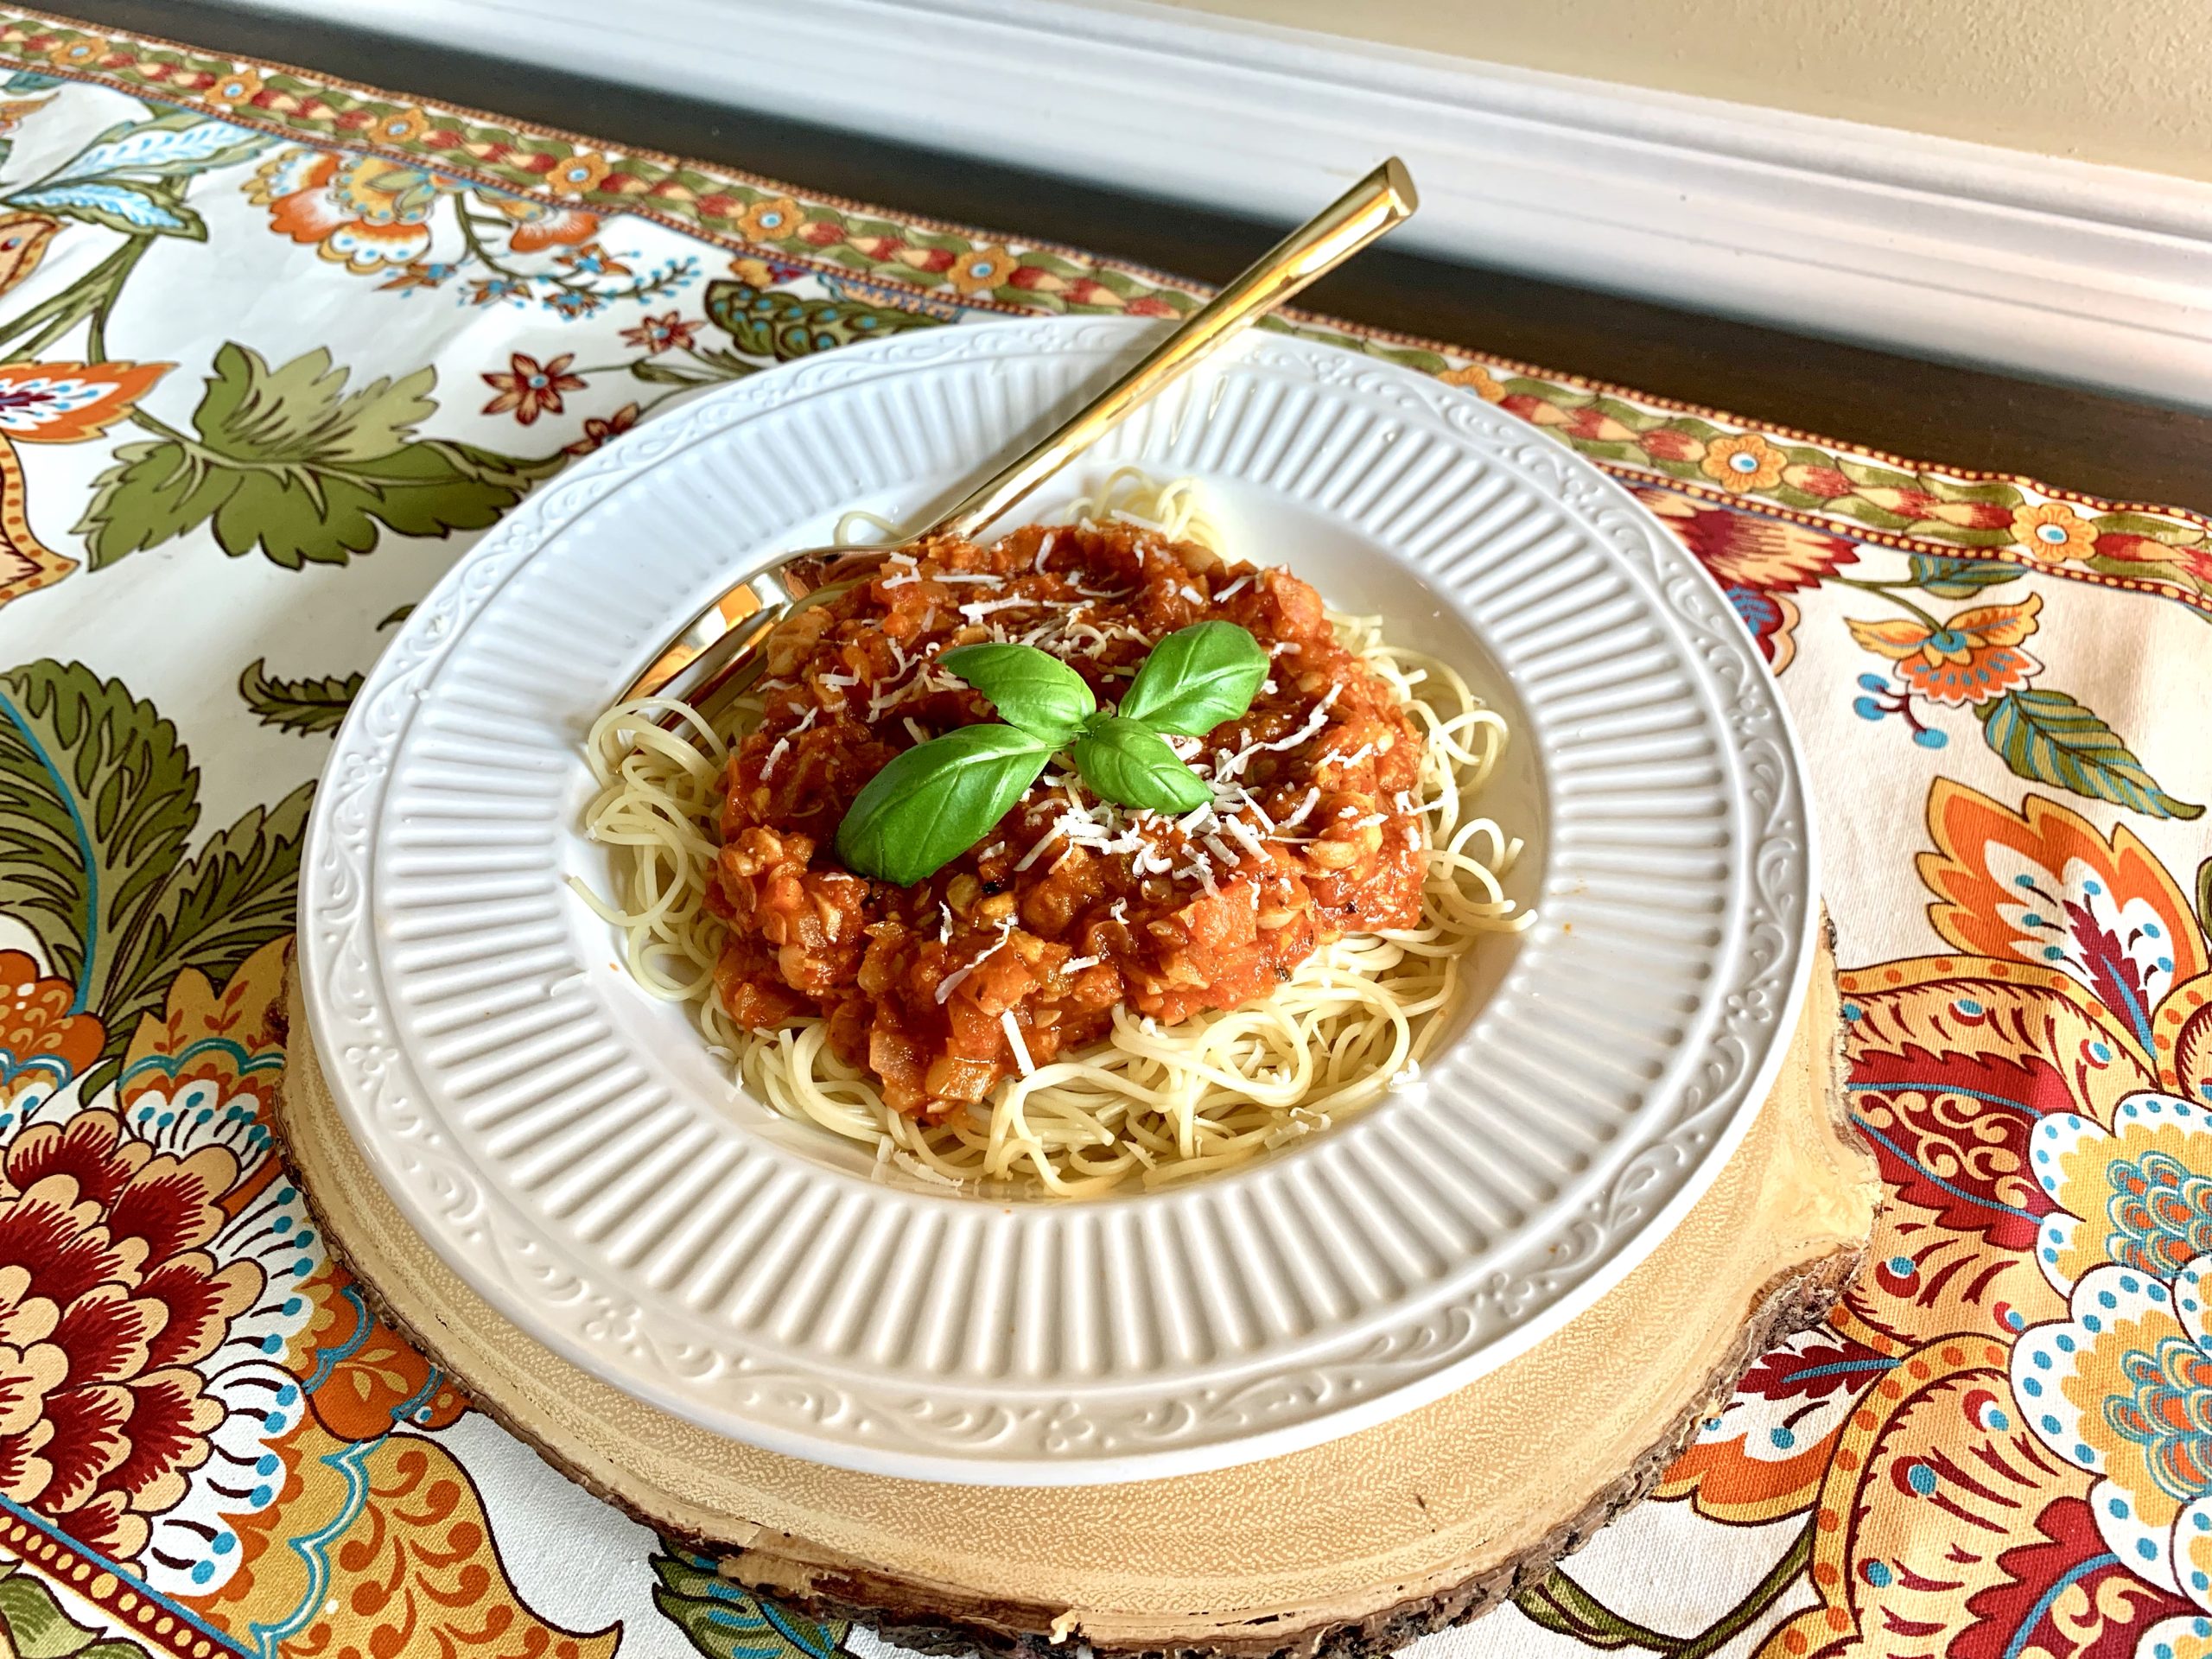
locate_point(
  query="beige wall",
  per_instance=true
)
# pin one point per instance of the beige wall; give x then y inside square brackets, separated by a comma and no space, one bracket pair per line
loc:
[2123,81]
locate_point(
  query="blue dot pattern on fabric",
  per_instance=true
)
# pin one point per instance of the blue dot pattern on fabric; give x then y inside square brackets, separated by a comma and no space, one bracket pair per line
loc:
[1922,1479]
[1877,1573]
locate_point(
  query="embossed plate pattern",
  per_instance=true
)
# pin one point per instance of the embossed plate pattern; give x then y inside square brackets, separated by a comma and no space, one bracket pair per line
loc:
[567,1145]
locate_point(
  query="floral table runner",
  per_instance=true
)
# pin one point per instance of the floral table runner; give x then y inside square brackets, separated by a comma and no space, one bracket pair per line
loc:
[277,349]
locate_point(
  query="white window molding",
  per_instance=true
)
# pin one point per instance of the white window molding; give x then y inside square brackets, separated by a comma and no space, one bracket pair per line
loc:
[2100,275]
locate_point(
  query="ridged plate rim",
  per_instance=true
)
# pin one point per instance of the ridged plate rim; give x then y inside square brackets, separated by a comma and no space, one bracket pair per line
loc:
[1447,1317]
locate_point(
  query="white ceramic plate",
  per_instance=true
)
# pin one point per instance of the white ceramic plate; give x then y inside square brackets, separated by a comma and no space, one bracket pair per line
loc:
[568,1146]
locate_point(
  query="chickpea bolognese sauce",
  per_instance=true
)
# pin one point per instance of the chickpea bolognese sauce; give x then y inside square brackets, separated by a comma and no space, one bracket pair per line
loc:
[1092,992]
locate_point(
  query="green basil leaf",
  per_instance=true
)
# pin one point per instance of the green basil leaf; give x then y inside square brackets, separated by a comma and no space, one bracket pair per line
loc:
[937,799]
[1127,761]
[1030,689]
[1196,679]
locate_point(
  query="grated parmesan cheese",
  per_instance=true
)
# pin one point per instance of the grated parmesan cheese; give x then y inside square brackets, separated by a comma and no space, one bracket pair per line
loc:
[1012,1028]
[977,610]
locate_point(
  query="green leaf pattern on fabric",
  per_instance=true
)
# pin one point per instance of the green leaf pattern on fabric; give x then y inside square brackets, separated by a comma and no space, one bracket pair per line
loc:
[99,799]
[301,705]
[785,326]
[37,1627]
[1949,578]
[287,461]
[2047,737]
[724,1620]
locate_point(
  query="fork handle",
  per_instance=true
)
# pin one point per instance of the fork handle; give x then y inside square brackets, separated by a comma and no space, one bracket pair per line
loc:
[1383,199]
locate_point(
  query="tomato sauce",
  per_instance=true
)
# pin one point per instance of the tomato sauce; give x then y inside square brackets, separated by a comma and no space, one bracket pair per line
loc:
[1020,949]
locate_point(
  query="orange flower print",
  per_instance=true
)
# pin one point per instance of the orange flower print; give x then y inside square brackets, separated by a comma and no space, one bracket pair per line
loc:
[23,240]
[2053,533]
[1742,463]
[770,220]
[591,260]
[239,87]
[541,224]
[43,1043]
[1477,379]
[528,388]
[1971,658]
[599,433]
[65,403]
[982,270]
[402,126]
[580,173]
[1758,561]
[81,53]
[2027,1455]
[361,212]
[370,1377]
[668,333]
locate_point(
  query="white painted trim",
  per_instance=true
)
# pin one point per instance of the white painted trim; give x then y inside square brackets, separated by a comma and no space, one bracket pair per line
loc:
[2097,274]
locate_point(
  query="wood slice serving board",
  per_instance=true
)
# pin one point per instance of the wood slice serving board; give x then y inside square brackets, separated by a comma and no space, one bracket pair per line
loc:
[1352,1546]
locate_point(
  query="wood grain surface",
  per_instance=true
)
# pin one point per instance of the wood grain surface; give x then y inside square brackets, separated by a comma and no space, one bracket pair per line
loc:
[1352,1546]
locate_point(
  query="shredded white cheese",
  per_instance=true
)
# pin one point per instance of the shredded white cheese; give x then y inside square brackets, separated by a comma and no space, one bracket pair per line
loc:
[1038,851]
[950,982]
[977,610]
[1012,1028]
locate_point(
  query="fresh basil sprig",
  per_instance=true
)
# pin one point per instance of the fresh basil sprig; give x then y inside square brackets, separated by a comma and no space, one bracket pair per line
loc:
[936,800]
[1029,688]
[1196,679]
[1125,760]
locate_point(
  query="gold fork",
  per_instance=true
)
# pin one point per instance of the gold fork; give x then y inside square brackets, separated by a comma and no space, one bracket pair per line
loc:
[718,653]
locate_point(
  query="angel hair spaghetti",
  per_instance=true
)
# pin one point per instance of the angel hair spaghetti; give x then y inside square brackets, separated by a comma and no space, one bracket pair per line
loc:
[1092,993]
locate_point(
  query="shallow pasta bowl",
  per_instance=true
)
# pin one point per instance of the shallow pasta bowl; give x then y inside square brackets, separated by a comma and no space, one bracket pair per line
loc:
[570,1149]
